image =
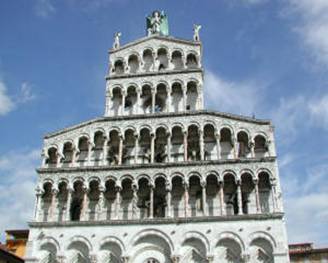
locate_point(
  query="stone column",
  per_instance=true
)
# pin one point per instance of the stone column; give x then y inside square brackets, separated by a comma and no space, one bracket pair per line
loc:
[77,154]
[198,101]
[273,193]
[218,148]
[123,103]
[151,198]
[68,205]
[153,100]
[185,145]
[105,151]
[251,146]
[120,150]
[257,197]
[73,163]
[184,98]
[101,202]
[169,100]
[59,157]
[155,62]
[234,145]
[135,201]
[138,102]
[222,203]
[186,199]
[90,147]
[45,157]
[108,100]
[201,145]
[136,148]
[170,65]
[84,212]
[203,185]
[53,205]
[117,201]
[152,147]
[168,147]
[37,207]
[184,61]
[168,189]
[239,197]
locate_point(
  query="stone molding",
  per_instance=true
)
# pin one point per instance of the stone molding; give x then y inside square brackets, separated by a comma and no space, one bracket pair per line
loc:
[157,221]
[160,116]
[158,37]
[157,74]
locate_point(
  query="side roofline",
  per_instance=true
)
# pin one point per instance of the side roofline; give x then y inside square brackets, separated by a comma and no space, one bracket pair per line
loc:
[144,39]
[162,115]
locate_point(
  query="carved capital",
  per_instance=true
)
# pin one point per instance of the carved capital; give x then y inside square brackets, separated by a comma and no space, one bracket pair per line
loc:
[125,259]
[175,258]
[168,186]
[93,258]
[203,184]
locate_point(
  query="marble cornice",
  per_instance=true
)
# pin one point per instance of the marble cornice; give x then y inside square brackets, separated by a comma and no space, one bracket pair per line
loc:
[162,38]
[157,73]
[154,165]
[156,221]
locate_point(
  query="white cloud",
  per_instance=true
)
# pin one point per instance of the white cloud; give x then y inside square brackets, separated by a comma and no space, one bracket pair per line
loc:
[319,111]
[306,197]
[287,159]
[44,8]
[288,117]
[6,103]
[312,25]
[229,96]
[254,2]
[26,93]
[18,176]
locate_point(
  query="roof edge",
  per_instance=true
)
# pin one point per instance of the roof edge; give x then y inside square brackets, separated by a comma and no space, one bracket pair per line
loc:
[144,39]
[163,115]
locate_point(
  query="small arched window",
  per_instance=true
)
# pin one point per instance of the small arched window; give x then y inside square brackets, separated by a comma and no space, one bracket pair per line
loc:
[192,61]
[162,59]
[118,67]
[133,63]
[177,60]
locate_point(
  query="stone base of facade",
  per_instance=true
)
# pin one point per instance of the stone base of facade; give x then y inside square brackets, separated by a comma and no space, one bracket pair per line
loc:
[251,238]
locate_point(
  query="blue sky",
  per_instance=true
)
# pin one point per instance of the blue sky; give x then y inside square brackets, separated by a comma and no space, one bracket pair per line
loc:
[262,57]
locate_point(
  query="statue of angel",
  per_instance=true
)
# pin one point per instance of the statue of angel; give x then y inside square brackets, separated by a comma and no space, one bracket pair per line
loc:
[196,32]
[117,40]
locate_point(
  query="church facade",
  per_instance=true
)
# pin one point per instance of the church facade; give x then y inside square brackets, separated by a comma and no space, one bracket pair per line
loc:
[159,179]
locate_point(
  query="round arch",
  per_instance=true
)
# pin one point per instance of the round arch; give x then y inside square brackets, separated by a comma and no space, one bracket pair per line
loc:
[151,232]
[199,236]
[79,239]
[50,240]
[233,173]
[231,236]
[112,239]
[261,235]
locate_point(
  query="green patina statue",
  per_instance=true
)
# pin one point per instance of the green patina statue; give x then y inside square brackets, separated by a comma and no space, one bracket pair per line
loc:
[157,23]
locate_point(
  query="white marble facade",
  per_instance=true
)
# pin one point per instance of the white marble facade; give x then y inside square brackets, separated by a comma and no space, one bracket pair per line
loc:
[159,179]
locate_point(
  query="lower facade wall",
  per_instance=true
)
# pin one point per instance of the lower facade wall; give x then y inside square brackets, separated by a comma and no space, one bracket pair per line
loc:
[234,241]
